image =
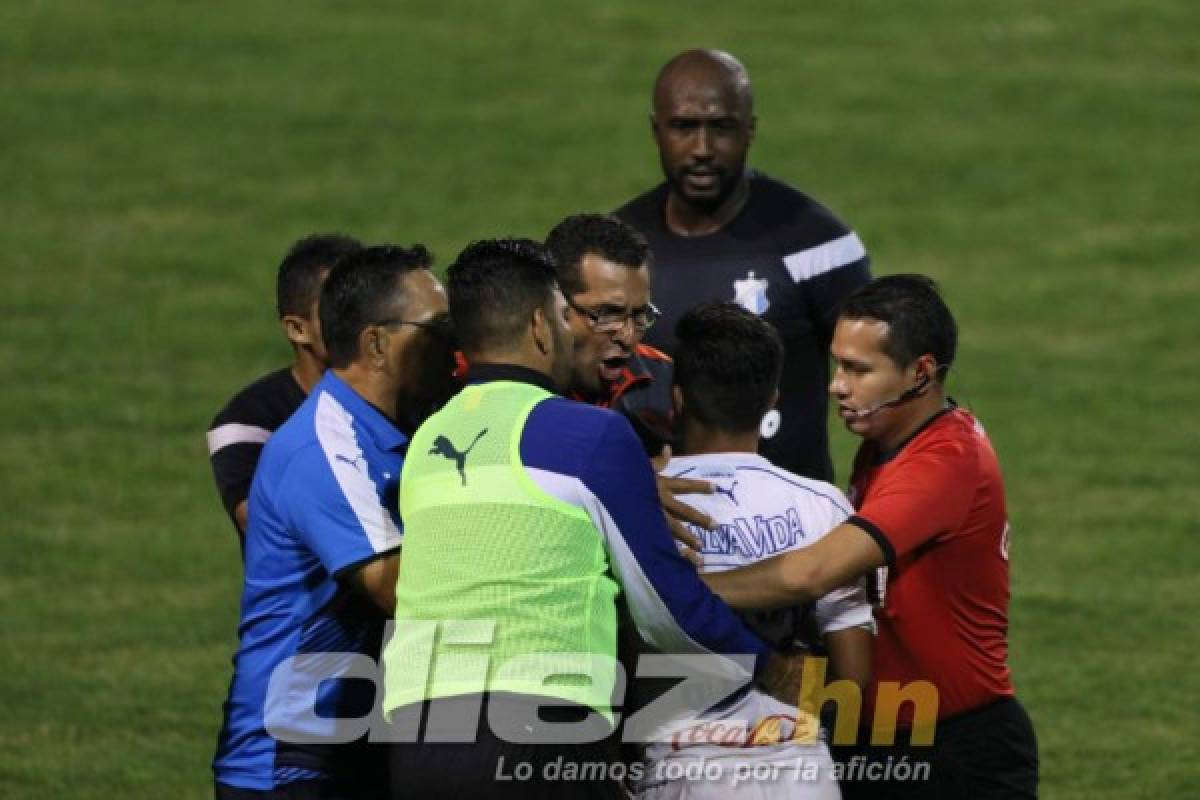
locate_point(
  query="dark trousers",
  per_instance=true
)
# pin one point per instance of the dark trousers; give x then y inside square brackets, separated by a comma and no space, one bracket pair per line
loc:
[989,752]
[489,765]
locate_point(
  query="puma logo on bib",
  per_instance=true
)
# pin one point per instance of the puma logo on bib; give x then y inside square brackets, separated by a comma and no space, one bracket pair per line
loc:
[445,448]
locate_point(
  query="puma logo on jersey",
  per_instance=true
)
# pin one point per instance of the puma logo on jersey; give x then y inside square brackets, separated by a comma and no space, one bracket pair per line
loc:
[357,463]
[727,492]
[445,448]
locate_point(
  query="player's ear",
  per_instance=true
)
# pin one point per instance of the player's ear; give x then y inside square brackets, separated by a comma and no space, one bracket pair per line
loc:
[677,400]
[371,345]
[296,329]
[540,329]
[925,371]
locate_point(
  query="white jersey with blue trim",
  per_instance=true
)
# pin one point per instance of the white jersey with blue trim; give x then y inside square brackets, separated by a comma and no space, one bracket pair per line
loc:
[762,511]
[754,746]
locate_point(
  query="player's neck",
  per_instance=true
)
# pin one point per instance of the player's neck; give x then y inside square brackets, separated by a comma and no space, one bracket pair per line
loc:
[373,386]
[684,219]
[589,397]
[527,356]
[917,414]
[307,370]
[698,440]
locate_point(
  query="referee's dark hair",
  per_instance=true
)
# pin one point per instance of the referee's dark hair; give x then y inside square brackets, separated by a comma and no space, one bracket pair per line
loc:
[359,293]
[918,320]
[495,285]
[598,234]
[727,364]
[298,283]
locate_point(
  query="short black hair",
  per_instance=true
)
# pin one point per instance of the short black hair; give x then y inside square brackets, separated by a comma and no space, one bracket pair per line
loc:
[298,283]
[494,286]
[727,362]
[918,320]
[358,293]
[599,234]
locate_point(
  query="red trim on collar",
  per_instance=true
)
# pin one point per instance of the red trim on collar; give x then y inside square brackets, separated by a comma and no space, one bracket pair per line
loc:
[652,353]
[460,366]
[628,381]
[629,378]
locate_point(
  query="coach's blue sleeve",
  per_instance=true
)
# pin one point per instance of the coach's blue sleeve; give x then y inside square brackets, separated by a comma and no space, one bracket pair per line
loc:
[672,607]
[335,508]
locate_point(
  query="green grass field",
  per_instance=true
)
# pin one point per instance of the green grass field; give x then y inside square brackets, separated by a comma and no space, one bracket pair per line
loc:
[1039,159]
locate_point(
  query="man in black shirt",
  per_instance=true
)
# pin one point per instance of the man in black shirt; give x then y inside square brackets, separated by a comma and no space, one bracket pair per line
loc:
[238,432]
[722,232]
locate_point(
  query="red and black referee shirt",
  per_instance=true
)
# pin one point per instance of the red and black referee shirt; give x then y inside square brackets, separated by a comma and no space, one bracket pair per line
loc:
[936,507]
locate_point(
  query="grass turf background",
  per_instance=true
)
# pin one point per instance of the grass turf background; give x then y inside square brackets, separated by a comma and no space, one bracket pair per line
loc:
[1038,159]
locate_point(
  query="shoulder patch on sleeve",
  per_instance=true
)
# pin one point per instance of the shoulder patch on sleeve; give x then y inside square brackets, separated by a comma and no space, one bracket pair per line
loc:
[814,261]
[232,433]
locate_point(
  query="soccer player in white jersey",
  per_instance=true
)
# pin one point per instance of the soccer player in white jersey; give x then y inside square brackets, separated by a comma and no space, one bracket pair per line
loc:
[726,377]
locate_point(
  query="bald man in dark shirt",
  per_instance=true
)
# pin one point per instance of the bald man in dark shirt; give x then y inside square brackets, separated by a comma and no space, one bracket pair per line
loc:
[720,231]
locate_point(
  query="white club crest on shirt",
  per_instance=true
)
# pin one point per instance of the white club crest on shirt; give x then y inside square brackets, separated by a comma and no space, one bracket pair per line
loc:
[751,293]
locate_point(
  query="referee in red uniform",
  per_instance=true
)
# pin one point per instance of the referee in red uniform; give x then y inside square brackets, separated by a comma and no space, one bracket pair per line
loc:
[931,519]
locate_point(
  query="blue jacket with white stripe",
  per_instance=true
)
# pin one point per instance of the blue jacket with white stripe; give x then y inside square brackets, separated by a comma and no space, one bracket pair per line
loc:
[322,504]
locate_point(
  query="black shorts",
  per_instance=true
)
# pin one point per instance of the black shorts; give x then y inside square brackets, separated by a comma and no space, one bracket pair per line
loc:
[299,790]
[488,766]
[353,771]
[990,752]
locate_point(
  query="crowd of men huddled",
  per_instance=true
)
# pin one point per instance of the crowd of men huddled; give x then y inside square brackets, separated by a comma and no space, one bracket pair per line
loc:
[564,526]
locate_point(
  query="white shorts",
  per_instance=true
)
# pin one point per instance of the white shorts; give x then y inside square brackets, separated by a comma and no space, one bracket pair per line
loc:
[757,747]
[710,771]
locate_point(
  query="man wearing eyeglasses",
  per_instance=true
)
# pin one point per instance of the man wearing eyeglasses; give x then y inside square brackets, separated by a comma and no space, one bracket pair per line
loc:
[604,272]
[323,537]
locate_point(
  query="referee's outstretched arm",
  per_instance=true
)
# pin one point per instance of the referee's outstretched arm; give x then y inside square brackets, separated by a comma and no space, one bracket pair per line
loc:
[801,576]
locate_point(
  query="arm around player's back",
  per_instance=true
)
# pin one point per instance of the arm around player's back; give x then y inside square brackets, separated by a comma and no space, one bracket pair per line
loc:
[931,495]
[671,606]
[800,576]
